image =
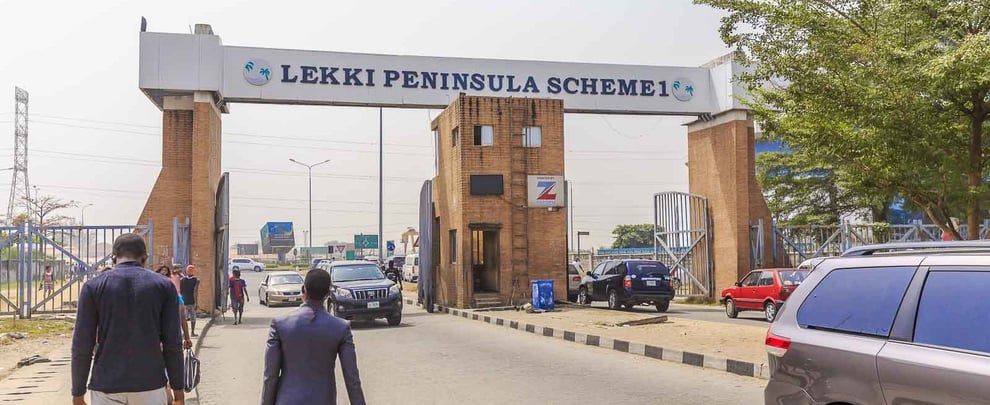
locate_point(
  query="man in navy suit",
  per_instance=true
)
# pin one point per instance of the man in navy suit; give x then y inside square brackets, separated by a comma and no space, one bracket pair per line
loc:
[302,350]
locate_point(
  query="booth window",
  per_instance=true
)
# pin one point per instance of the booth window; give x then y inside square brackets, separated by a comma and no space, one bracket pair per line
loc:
[484,135]
[532,137]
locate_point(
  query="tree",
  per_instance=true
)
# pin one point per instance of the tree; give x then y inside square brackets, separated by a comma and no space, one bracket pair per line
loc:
[895,93]
[800,192]
[632,236]
[44,206]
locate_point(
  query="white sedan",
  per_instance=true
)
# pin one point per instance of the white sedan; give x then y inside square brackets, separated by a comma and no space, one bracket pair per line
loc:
[246,264]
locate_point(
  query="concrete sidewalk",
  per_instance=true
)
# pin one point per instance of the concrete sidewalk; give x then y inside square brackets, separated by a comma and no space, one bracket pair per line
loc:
[737,349]
[51,383]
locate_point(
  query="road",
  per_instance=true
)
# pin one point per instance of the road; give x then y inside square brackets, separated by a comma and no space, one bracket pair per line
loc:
[440,359]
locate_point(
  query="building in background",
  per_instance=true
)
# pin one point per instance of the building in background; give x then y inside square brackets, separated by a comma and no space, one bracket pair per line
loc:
[499,200]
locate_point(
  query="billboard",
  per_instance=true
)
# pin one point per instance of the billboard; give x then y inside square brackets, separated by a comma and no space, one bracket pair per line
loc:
[247,249]
[277,237]
[546,191]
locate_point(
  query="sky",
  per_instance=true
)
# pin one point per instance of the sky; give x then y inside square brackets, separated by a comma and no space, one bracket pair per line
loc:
[95,138]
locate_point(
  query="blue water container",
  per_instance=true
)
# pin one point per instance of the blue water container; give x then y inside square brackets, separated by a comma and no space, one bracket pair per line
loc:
[542,294]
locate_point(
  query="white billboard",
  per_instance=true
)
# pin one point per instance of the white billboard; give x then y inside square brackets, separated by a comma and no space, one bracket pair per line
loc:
[172,63]
[546,191]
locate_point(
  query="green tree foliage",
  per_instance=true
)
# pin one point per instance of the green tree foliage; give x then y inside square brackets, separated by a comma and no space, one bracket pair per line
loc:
[894,94]
[801,192]
[632,236]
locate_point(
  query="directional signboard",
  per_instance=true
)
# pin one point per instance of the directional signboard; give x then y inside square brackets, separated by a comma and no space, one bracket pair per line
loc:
[365,241]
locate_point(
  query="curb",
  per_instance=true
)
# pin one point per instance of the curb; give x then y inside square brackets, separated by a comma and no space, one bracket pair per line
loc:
[738,367]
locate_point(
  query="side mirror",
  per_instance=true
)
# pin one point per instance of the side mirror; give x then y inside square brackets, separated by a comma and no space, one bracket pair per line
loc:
[594,276]
[738,283]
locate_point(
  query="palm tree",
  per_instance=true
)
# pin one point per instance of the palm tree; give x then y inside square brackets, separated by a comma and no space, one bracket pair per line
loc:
[265,72]
[249,66]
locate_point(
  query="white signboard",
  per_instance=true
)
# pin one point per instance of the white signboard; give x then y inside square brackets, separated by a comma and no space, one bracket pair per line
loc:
[173,63]
[546,191]
[339,249]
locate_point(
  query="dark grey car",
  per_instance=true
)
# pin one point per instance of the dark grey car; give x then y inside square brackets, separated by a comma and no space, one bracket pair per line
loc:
[887,324]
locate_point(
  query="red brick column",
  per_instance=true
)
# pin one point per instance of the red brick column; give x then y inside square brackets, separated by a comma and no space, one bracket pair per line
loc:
[187,184]
[721,167]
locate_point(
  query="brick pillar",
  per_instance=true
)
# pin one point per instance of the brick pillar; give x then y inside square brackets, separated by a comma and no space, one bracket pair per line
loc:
[721,167]
[187,184]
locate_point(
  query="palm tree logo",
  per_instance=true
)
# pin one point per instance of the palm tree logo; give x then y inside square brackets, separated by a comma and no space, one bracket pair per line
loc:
[683,89]
[257,72]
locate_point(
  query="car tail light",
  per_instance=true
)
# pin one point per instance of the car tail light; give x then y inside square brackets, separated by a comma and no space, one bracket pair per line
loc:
[576,278]
[786,292]
[777,345]
[627,282]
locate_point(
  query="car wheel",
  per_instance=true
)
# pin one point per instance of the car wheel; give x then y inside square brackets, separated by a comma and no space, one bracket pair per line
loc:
[582,297]
[770,311]
[613,300]
[257,269]
[395,320]
[663,306]
[730,308]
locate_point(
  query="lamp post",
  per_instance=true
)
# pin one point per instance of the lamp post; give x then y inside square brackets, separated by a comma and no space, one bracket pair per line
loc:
[579,235]
[309,236]
[82,217]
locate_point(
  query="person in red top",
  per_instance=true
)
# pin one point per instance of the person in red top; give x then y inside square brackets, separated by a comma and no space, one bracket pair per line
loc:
[238,293]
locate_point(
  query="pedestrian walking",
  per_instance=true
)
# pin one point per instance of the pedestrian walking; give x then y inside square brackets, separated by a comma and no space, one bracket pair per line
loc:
[132,313]
[176,276]
[295,373]
[47,282]
[189,290]
[238,293]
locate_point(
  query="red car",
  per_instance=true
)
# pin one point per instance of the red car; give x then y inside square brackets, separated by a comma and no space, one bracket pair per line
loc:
[762,290]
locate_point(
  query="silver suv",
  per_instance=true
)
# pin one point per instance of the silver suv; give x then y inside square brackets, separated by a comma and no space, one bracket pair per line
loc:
[905,323]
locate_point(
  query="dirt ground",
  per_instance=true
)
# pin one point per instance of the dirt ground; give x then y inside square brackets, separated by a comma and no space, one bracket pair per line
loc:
[44,337]
[737,342]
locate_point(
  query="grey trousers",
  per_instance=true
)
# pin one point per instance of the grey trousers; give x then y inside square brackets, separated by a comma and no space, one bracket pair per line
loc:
[153,397]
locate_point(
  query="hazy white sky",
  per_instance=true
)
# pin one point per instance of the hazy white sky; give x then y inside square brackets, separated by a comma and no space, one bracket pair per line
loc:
[95,138]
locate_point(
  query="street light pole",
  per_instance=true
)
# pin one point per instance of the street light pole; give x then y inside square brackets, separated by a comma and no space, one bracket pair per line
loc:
[82,218]
[309,233]
[381,178]
[579,235]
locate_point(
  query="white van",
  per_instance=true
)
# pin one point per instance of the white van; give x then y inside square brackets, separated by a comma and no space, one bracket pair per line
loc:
[410,270]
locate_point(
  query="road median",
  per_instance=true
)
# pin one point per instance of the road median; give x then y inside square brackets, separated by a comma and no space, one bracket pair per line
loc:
[737,349]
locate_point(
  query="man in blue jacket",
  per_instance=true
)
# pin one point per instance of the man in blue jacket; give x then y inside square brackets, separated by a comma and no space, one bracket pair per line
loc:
[295,373]
[130,317]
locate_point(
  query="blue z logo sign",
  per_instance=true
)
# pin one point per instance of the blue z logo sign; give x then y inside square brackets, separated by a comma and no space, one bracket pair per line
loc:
[546,191]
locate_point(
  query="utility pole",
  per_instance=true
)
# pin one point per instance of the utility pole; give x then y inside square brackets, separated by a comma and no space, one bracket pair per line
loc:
[579,235]
[20,189]
[82,217]
[381,189]
[309,234]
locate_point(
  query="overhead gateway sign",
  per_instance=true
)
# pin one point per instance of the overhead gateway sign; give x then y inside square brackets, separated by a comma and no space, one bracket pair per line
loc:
[172,63]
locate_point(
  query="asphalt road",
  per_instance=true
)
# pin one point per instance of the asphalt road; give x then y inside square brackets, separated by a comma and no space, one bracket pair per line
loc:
[440,359]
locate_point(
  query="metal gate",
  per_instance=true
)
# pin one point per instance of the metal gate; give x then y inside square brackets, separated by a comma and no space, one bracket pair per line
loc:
[682,241]
[43,268]
[221,244]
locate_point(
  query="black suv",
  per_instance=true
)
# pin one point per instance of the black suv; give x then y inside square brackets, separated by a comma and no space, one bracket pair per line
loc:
[625,283]
[360,290]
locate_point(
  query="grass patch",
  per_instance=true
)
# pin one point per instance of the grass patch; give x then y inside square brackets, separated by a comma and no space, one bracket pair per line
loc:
[700,301]
[36,327]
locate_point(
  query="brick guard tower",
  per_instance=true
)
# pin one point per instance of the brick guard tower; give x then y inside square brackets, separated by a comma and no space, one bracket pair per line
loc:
[492,241]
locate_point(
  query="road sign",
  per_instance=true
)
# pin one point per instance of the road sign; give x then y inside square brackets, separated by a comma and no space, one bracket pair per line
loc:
[366,241]
[339,249]
[390,245]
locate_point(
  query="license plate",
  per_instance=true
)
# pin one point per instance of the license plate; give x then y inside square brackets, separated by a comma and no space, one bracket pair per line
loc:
[294,299]
[651,283]
[373,304]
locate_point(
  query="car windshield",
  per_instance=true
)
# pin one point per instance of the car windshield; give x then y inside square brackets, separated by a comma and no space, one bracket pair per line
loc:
[357,272]
[286,279]
[792,277]
[647,268]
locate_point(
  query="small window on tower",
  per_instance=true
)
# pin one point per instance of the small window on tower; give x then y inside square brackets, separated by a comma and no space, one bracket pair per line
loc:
[453,136]
[532,137]
[484,135]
